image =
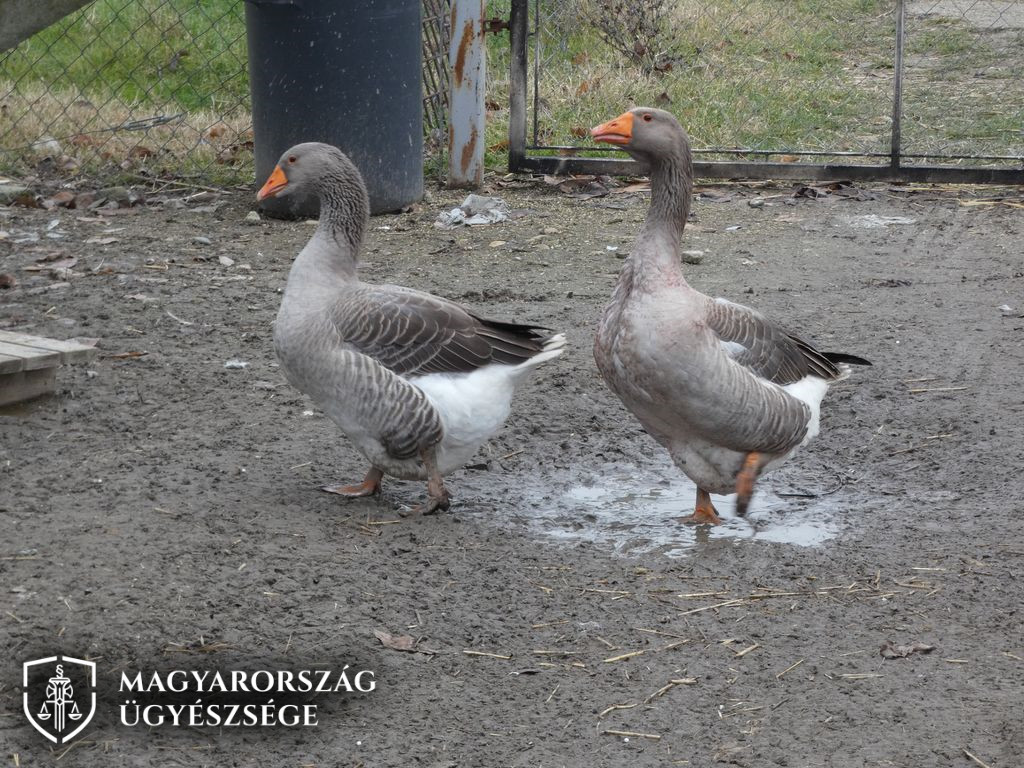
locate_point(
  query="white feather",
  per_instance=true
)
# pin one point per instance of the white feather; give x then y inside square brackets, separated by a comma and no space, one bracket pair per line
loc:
[810,390]
[473,406]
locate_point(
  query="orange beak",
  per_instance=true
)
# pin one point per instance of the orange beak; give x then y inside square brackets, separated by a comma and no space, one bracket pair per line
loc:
[275,183]
[617,131]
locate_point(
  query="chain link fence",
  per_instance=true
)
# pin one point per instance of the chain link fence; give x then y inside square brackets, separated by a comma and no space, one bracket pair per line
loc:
[153,89]
[786,81]
[132,87]
[159,87]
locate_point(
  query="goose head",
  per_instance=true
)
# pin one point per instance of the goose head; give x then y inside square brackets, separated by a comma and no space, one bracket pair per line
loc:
[325,172]
[310,167]
[646,133]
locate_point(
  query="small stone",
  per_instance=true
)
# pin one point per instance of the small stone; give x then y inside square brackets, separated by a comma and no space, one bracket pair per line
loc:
[253,217]
[119,195]
[7,280]
[693,257]
[83,200]
[496,243]
[756,202]
[62,199]
[226,261]
[235,365]
[1006,309]
[47,145]
[551,231]
[9,192]
[203,241]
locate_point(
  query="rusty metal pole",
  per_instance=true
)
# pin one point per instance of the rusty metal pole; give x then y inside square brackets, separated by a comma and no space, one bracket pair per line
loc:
[468,61]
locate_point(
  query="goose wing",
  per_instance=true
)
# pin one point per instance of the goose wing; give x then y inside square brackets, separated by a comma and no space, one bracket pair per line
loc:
[766,349]
[414,333]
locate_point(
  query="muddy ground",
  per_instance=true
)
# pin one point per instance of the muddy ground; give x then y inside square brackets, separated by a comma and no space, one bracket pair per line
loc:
[162,511]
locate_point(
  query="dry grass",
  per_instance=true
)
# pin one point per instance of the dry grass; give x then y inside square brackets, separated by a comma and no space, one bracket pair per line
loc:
[784,76]
[104,137]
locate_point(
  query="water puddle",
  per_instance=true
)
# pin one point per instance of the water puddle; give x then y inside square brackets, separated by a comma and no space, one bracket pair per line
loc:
[634,511]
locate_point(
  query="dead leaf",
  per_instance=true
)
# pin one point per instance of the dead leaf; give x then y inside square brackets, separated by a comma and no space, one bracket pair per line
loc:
[580,58]
[84,140]
[52,266]
[890,651]
[216,130]
[141,152]
[62,199]
[395,642]
[640,186]
[789,55]
[579,131]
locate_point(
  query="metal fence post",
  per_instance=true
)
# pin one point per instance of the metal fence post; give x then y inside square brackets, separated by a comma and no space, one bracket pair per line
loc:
[466,120]
[897,90]
[517,32]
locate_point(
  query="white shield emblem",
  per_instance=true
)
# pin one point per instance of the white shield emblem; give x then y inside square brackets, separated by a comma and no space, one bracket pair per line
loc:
[59,696]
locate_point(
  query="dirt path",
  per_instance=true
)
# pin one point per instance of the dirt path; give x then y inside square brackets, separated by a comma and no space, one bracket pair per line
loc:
[163,503]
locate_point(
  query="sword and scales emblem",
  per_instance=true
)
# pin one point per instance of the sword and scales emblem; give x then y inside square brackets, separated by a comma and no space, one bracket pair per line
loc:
[62,707]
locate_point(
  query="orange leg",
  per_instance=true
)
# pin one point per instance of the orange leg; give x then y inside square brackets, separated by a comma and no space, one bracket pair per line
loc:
[704,512]
[438,497]
[745,480]
[369,487]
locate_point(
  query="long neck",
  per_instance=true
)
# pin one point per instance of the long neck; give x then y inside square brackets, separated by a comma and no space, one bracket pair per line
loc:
[671,192]
[344,212]
[654,258]
[656,253]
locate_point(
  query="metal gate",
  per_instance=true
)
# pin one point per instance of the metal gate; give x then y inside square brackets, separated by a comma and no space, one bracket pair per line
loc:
[901,90]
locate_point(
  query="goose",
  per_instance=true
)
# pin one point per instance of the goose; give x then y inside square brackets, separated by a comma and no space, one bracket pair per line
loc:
[729,393]
[416,382]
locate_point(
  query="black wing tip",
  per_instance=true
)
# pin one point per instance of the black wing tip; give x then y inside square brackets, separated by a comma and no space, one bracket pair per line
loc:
[841,357]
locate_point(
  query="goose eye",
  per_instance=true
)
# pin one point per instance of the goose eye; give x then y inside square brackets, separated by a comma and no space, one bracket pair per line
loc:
[648,117]
[292,158]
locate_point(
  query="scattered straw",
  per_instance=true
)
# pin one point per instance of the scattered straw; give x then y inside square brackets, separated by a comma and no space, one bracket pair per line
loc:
[977,760]
[614,707]
[627,734]
[669,686]
[790,668]
[632,654]
[656,632]
[501,656]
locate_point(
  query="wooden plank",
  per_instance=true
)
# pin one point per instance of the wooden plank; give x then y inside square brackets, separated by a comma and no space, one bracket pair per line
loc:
[34,357]
[24,385]
[10,364]
[70,351]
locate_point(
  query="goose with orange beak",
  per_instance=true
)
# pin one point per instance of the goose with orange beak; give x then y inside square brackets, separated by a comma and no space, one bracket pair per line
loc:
[417,382]
[729,393]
